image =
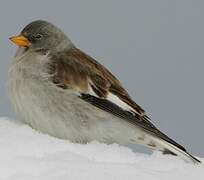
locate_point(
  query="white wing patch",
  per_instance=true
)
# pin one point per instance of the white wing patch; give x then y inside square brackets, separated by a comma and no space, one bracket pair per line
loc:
[116,100]
[91,91]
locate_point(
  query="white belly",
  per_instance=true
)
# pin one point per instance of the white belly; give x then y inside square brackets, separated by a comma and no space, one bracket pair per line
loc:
[61,113]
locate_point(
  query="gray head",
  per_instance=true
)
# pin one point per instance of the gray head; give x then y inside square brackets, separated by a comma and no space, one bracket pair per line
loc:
[42,35]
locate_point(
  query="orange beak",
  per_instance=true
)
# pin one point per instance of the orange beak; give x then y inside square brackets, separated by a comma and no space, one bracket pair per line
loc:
[20,40]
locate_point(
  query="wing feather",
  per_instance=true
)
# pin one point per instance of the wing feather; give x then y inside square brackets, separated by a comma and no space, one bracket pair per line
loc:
[144,123]
[80,71]
[74,69]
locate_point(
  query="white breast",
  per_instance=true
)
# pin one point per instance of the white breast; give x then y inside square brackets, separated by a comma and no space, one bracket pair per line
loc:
[39,103]
[61,113]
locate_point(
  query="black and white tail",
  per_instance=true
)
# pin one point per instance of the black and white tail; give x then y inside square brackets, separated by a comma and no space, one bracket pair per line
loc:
[151,137]
[169,148]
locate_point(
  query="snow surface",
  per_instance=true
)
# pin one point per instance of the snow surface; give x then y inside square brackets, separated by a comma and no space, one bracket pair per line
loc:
[26,154]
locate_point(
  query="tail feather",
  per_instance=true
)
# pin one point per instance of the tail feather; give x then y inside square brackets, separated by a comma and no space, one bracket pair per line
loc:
[168,148]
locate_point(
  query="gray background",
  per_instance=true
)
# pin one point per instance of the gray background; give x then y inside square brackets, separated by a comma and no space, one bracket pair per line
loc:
[155,47]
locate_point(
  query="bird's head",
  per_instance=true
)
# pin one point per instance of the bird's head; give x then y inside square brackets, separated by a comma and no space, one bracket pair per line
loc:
[42,35]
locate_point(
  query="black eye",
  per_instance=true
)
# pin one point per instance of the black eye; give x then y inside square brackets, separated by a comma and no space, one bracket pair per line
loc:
[38,36]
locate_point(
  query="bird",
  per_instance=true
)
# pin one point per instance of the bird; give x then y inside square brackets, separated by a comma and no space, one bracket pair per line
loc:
[61,91]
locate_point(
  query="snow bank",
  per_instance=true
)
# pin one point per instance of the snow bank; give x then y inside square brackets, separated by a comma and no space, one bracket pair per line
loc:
[28,155]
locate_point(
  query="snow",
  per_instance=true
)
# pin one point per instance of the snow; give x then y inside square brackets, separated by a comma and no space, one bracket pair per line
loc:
[26,154]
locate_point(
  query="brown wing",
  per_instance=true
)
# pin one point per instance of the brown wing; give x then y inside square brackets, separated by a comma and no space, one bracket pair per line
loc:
[76,69]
